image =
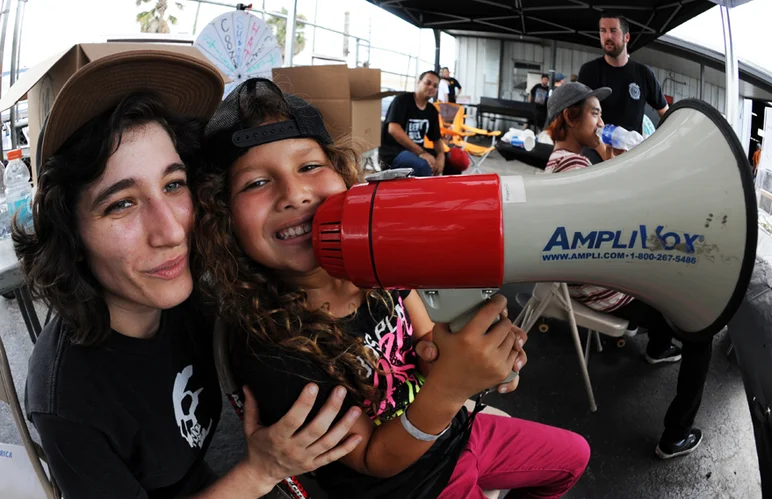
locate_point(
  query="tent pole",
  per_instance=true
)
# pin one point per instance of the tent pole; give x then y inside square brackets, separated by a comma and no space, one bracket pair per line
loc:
[437,50]
[15,65]
[289,30]
[554,54]
[501,70]
[5,12]
[732,77]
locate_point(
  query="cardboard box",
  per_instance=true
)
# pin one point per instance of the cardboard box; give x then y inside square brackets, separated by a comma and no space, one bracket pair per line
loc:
[40,85]
[349,99]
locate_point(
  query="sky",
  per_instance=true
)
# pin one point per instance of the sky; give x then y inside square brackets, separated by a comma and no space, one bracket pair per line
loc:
[53,25]
[750,24]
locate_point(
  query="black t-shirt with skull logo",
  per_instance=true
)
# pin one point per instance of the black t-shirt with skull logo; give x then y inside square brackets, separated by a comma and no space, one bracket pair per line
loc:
[632,85]
[130,418]
[417,124]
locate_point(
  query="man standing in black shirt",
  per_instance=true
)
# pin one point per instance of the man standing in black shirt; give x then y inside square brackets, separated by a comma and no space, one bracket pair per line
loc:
[410,120]
[633,84]
[454,87]
[539,96]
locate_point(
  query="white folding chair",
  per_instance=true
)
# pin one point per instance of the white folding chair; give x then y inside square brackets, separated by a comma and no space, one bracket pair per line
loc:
[369,161]
[34,451]
[552,300]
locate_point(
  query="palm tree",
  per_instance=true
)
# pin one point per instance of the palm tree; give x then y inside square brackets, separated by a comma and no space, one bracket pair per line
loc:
[156,20]
[280,28]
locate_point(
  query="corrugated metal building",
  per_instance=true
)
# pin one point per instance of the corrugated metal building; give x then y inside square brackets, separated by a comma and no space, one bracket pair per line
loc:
[498,68]
[488,67]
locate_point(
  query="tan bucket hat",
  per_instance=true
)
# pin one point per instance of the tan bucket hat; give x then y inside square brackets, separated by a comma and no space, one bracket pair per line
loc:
[187,86]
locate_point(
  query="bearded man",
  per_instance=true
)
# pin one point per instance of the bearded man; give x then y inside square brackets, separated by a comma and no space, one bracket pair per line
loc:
[633,84]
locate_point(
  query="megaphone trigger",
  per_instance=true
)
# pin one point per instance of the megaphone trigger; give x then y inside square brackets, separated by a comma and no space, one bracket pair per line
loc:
[443,305]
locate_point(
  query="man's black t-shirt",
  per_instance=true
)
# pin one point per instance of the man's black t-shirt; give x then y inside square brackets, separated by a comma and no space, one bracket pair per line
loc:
[453,84]
[632,85]
[130,418]
[416,122]
[540,94]
[277,377]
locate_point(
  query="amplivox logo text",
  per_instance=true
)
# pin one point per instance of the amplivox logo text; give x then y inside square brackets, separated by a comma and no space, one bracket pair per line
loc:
[618,239]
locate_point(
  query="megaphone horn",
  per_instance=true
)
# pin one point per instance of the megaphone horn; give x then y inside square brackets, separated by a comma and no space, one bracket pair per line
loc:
[673,222]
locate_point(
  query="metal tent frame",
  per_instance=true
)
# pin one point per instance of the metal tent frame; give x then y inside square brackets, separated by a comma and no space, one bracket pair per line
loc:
[574,21]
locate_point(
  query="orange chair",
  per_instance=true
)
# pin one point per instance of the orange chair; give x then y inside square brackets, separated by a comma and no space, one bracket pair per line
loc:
[428,144]
[452,126]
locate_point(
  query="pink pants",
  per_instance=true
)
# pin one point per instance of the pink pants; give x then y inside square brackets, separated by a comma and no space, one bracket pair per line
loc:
[532,459]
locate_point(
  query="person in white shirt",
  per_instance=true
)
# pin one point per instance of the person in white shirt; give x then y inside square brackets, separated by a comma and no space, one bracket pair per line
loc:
[443,91]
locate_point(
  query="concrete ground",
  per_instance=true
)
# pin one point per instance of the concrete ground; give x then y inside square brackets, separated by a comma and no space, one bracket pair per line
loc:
[632,398]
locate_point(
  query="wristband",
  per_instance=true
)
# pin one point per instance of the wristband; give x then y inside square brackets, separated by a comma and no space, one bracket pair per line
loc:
[415,432]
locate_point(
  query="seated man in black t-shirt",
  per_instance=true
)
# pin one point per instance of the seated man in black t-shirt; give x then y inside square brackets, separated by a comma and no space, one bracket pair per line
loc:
[411,119]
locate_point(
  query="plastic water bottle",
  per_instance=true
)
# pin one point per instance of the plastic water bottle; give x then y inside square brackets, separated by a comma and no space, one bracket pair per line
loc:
[619,138]
[18,190]
[524,139]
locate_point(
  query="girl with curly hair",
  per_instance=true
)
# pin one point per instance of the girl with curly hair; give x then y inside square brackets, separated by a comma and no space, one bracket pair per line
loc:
[270,163]
[122,386]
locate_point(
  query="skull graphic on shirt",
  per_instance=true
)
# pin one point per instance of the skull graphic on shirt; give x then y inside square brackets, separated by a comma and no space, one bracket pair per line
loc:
[190,429]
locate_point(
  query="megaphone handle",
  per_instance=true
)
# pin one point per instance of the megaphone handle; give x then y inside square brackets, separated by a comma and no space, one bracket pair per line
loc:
[462,320]
[442,303]
[459,322]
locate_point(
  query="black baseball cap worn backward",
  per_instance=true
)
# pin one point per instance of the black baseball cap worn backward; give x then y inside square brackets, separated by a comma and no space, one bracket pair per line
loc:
[229,134]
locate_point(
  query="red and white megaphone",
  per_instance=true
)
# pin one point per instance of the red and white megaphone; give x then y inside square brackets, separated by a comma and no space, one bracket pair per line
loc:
[672,222]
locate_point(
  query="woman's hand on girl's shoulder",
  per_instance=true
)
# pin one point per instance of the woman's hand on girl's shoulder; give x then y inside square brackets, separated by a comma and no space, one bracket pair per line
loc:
[283,449]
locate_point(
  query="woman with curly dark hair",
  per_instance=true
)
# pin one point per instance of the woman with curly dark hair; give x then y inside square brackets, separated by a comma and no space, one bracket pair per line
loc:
[121,384]
[269,164]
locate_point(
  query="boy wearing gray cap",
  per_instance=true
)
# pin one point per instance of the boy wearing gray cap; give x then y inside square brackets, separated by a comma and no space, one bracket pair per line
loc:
[574,121]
